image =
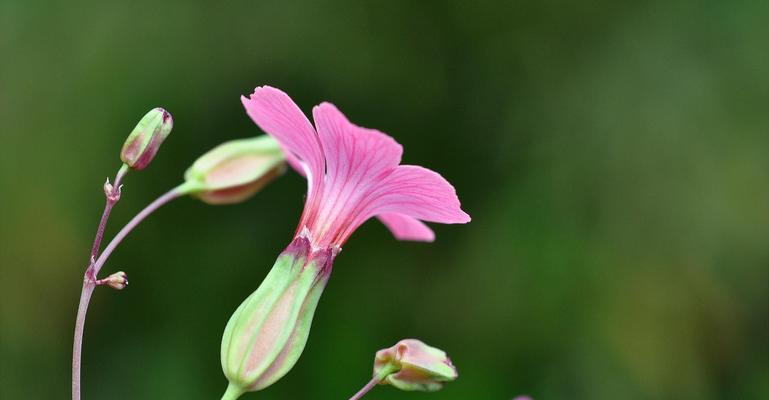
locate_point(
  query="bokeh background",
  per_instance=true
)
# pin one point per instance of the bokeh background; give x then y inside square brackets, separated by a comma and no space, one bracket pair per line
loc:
[613,156]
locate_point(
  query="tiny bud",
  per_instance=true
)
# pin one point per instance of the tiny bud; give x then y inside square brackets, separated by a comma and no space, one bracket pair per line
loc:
[145,140]
[235,170]
[413,365]
[111,192]
[118,280]
[108,188]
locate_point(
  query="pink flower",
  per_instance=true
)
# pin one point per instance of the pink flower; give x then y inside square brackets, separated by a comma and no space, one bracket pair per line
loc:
[353,174]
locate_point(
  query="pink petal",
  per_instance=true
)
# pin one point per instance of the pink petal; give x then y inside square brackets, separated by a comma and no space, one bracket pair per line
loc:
[282,119]
[353,152]
[419,193]
[356,159]
[404,227]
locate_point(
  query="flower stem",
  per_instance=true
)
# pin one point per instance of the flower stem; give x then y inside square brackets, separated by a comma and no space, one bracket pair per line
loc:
[232,393]
[77,344]
[89,280]
[138,218]
[387,370]
[110,202]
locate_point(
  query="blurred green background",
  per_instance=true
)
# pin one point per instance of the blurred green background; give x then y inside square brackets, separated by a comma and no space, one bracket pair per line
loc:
[613,156]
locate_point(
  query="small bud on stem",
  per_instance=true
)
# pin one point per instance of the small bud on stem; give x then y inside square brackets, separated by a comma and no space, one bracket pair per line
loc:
[410,365]
[112,193]
[118,280]
[419,366]
[144,141]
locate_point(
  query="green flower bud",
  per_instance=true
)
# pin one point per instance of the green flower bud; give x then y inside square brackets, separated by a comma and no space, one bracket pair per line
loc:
[267,333]
[145,140]
[413,365]
[235,170]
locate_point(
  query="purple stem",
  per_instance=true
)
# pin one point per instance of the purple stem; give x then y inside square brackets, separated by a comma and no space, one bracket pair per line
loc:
[152,207]
[370,385]
[110,202]
[77,344]
[387,370]
[89,280]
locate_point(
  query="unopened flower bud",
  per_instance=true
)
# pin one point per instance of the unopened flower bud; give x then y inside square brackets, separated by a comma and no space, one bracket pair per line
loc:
[267,333]
[118,280]
[235,170]
[413,365]
[145,140]
[111,192]
[108,188]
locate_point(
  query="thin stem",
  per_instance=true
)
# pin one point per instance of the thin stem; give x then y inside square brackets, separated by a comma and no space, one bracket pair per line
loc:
[77,344]
[138,218]
[232,393]
[110,202]
[89,280]
[387,370]
[100,230]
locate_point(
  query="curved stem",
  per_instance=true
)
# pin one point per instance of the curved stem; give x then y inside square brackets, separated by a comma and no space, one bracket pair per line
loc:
[77,344]
[232,393]
[387,370]
[138,218]
[89,280]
